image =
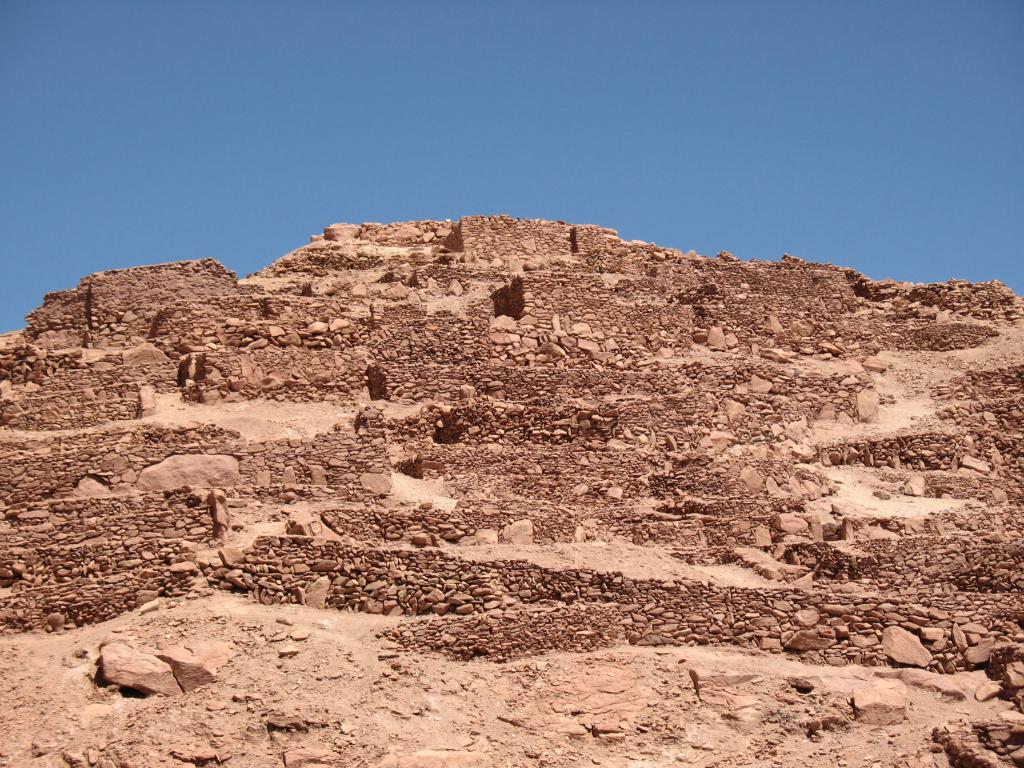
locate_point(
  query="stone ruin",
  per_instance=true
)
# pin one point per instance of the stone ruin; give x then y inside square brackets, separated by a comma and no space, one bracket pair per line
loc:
[562,385]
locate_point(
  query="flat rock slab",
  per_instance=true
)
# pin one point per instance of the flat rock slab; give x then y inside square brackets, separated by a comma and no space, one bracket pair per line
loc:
[199,470]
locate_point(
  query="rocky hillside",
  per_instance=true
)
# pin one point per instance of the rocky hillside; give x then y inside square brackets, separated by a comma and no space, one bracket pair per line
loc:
[506,492]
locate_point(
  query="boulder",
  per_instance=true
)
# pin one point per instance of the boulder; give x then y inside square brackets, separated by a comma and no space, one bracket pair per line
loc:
[969,462]
[751,478]
[317,592]
[811,640]
[143,354]
[904,647]
[716,337]
[875,364]
[883,702]
[518,532]
[915,486]
[979,654]
[341,233]
[200,470]
[120,664]
[147,401]
[867,406]
[89,486]
[196,663]
[377,483]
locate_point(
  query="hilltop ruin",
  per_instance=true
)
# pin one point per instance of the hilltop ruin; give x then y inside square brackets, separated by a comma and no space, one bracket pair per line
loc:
[476,432]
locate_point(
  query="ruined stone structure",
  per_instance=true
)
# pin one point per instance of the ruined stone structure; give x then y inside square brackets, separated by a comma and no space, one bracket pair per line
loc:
[550,384]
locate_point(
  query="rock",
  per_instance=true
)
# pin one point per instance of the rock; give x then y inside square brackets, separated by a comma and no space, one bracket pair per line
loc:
[518,532]
[717,441]
[376,482]
[195,663]
[904,647]
[969,462]
[751,478]
[875,364]
[120,664]
[807,617]
[55,621]
[979,654]
[341,233]
[91,487]
[987,691]
[317,592]
[143,354]
[946,686]
[778,355]
[196,470]
[716,337]
[915,486]
[231,556]
[147,401]
[811,640]
[883,702]
[787,522]
[867,406]
[1013,675]
[486,536]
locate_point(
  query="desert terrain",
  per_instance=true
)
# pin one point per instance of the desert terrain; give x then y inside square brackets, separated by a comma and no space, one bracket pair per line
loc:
[509,492]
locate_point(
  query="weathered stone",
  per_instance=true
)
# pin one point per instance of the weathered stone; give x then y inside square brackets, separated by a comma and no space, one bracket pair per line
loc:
[883,702]
[120,664]
[196,663]
[904,647]
[376,482]
[195,470]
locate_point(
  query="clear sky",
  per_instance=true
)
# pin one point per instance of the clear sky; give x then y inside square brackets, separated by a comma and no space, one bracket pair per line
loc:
[887,136]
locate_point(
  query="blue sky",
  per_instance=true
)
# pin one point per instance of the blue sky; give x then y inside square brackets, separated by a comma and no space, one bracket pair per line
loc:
[886,136]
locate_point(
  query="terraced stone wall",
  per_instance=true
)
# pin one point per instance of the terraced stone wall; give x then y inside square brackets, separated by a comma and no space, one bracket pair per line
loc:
[960,628]
[93,559]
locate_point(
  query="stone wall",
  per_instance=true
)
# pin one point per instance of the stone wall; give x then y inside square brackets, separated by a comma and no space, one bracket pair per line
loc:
[92,559]
[956,630]
[110,303]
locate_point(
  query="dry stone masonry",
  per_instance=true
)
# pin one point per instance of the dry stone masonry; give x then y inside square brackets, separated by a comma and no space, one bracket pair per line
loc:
[450,396]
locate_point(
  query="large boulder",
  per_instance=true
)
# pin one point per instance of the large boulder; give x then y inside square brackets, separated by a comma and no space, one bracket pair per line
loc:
[904,647]
[143,354]
[121,664]
[880,703]
[195,663]
[199,470]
